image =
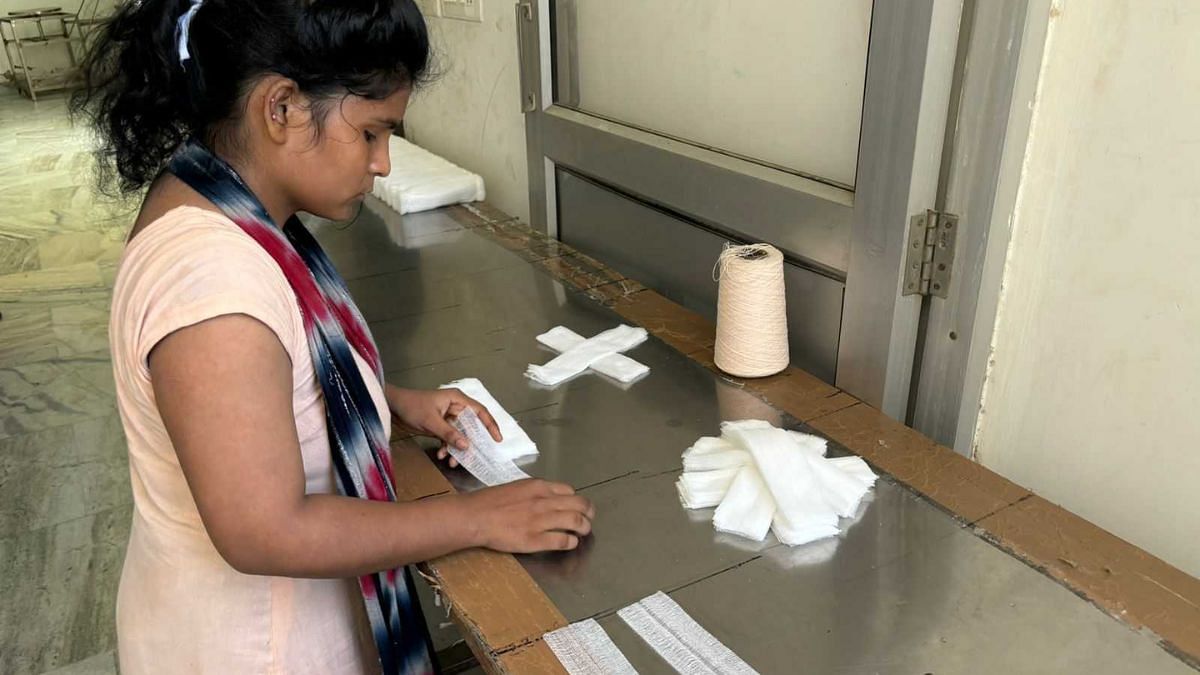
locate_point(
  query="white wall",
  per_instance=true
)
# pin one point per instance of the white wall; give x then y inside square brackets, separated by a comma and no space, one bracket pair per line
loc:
[1093,399]
[472,115]
[780,81]
[663,66]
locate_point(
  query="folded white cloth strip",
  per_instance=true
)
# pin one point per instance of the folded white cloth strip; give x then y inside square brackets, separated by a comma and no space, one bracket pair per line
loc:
[420,180]
[481,458]
[516,442]
[802,513]
[738,425]
[682,642]
[588,353]
[702,489]
[784,482]
[840,489]
[747,508]
[856,467]
[617,366]
[584,648]
[815,445]
[716,460]
[708,444]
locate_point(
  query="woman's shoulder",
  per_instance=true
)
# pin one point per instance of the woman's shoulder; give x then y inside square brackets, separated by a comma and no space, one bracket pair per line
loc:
[191,264]
[190,241]
[184,224]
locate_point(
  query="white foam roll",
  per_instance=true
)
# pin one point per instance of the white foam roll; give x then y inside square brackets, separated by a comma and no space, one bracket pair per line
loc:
[751,311]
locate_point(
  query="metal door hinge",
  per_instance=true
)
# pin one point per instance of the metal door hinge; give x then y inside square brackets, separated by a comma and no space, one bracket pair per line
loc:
[930,259]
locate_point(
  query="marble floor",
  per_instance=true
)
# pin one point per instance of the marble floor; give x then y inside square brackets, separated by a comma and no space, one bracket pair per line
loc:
[64,480]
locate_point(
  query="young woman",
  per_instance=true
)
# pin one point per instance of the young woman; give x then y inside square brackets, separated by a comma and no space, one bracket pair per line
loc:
[266,536]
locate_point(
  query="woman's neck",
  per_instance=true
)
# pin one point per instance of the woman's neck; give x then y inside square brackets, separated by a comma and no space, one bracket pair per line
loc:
[273,197]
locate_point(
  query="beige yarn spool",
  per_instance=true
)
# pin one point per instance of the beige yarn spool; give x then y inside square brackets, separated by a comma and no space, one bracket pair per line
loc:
[751,311]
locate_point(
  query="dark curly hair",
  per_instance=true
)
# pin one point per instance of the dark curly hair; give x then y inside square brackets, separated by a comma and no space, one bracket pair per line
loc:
[143,102]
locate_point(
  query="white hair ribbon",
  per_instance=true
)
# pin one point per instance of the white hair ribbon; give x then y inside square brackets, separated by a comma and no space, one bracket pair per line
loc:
[183,28]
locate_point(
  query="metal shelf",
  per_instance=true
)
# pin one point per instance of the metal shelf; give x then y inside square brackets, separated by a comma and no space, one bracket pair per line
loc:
[54,27]
[49,40]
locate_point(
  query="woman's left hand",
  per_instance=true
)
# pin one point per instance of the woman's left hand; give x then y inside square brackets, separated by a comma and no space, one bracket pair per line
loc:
[428,413]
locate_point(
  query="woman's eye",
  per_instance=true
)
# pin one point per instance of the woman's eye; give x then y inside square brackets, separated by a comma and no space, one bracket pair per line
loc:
[369,136]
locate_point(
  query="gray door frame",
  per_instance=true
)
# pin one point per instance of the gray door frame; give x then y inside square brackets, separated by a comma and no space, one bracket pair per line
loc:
[999,63]
[910,69]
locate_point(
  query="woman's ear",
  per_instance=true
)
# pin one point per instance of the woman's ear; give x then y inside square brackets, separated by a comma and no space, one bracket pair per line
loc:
[274,104]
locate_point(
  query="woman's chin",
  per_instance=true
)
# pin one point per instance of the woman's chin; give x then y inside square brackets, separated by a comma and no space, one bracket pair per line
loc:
[346,211]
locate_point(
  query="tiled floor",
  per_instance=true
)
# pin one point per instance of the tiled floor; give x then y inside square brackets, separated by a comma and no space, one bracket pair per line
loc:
[64,480]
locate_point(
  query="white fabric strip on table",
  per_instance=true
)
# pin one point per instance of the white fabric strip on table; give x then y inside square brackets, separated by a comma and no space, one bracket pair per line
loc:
[748,508]
[516,442]
[702,489]
[721,459]
[710,453]
[708,444]
[585,355]
[856,467]
[841,490]
[584,648]
[682,642]
[814,445]
[617,366]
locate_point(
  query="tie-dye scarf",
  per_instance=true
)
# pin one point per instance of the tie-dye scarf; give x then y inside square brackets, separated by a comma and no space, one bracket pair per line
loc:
[334,327]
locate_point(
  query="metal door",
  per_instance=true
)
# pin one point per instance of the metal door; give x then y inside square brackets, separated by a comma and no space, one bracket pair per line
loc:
[658,131]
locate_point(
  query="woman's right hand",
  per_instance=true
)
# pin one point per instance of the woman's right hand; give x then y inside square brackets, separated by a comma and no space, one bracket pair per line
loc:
[529,516]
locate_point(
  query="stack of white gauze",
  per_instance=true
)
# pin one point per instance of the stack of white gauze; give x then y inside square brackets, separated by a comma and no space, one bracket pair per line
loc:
[420,180]
[762,478]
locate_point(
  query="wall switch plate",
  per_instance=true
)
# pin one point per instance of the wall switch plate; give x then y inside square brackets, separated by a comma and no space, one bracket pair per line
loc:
[466,10]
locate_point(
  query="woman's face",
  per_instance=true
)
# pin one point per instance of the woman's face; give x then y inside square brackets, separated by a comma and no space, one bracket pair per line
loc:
[330,178]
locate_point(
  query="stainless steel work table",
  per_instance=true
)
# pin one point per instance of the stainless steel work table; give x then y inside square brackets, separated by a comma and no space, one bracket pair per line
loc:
[907,589]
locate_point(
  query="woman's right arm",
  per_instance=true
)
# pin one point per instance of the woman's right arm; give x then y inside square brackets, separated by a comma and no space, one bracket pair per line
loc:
[224,390]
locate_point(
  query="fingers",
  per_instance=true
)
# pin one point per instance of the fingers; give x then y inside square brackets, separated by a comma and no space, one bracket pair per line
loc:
[444,452]
[589,509]
[459,400]
[534,515]
[574,522]
[488,421]
[558,489]
[556,541]
[448,434]
[572,504]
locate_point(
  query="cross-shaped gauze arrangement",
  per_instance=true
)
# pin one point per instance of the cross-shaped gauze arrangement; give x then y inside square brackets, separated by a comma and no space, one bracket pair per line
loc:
[601,353]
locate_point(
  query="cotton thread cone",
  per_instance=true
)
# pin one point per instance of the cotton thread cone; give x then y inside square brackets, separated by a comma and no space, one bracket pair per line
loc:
[751,311]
